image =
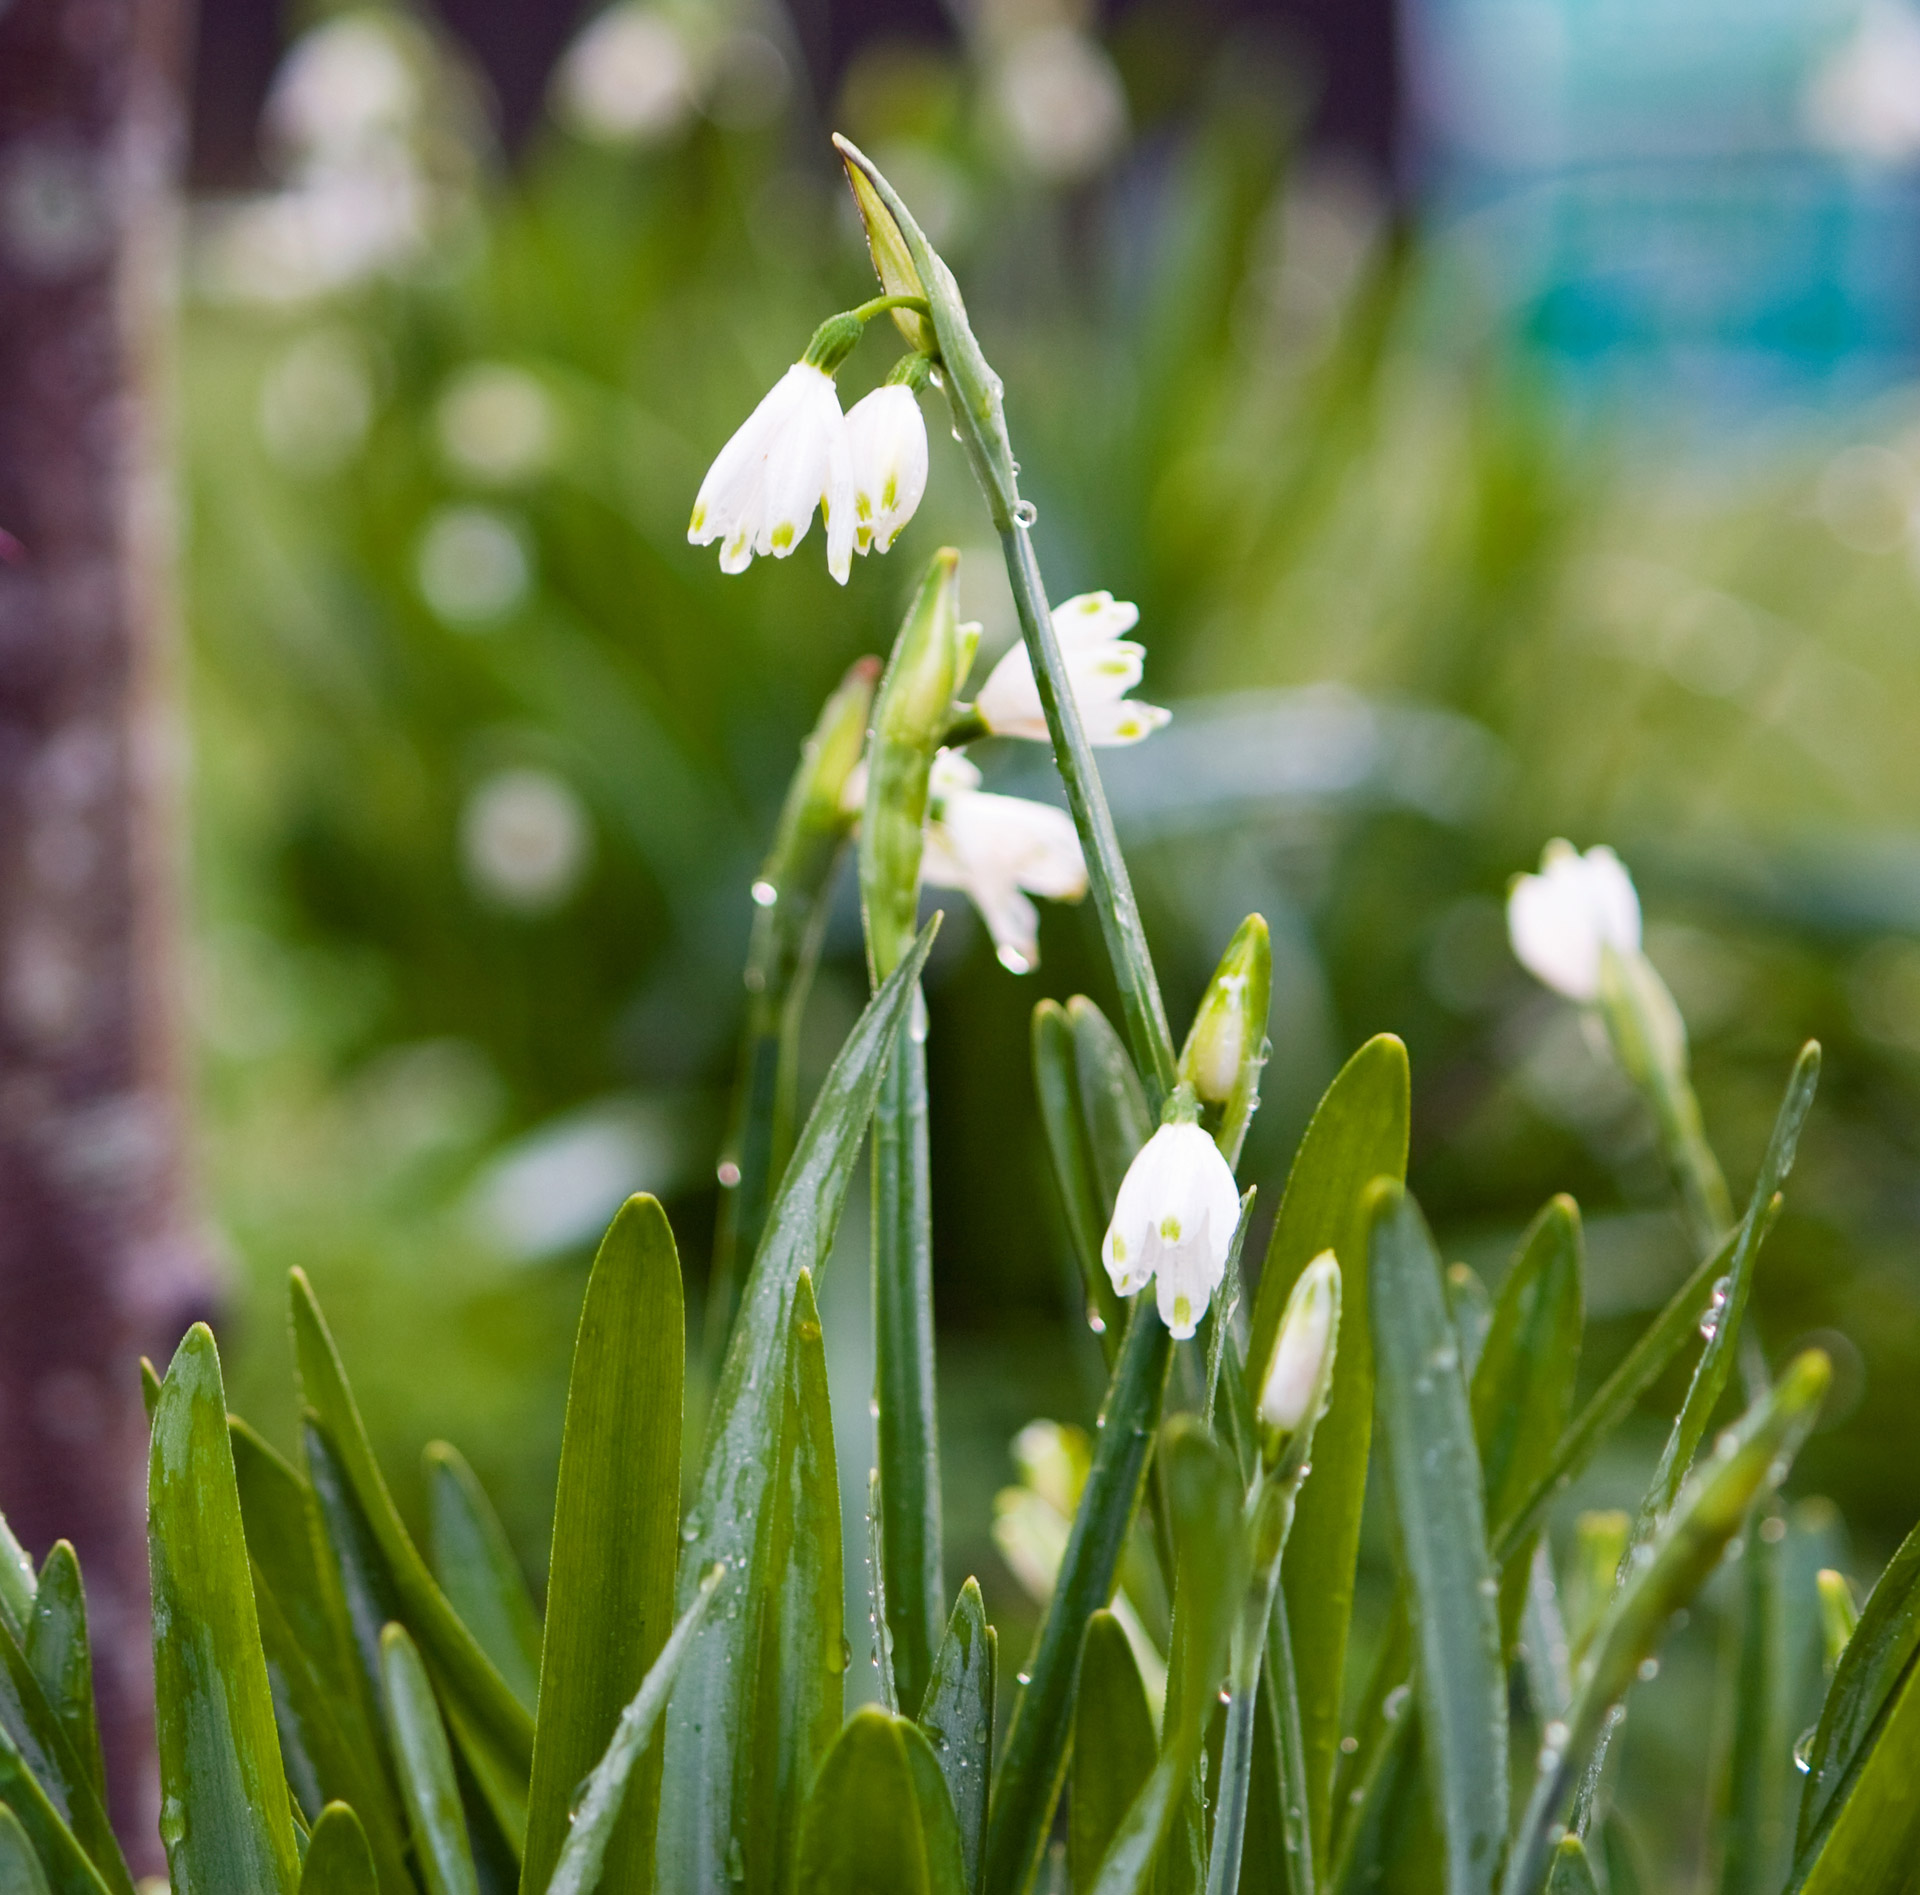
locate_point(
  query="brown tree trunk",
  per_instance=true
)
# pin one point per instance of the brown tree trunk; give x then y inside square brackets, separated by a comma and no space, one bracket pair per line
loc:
[100,1258]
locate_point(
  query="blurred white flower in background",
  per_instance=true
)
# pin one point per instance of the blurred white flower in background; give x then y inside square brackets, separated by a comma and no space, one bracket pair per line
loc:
[316,402]
[887,446]
[1864,102]
[1060,102]
[1102,665]
[496,424]
[356,106]
[472,566]
[1561,919]
[525,839]
[629,78]
[997,850]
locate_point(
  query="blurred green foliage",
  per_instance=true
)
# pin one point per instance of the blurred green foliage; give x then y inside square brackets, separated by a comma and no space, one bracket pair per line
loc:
[486,754]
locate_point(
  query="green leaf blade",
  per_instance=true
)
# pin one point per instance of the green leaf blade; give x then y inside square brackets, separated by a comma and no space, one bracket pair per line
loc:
[707,1724]
[224,1803]
[1434,1470]
[615,1537]
[861,1833]
[61,1655]
[1357,1134]
[957,1716]
[339,1861]
[477,1571]
[425,1757]
[1114,1747]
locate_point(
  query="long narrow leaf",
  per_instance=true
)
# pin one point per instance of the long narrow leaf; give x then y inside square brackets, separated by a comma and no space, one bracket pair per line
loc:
[939,1826]
[69,1869]
[862,1833]
[1751,1462]
[338,1859]
[615,1538]
[61,1655]
[906,1427]
[425,1758]
[1435,1481]
[1056,1084]
[1879,1657]
[20,1870]
[1357,1134]
[957,1716]
[478,1573]
[584,1855]
[1033,1760]
[1113,1747]
[707,1724]
[1753,1794]
[444,1640]
[1870,1847]
[224,1802]
[801,1663]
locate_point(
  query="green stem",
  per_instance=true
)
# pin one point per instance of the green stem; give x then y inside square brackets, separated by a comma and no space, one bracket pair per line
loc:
[879,305]
[1033,1762]
[906,1430]
[1145,1012]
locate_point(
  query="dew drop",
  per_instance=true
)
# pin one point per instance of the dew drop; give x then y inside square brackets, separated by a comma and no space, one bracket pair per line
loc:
[841,1659]
[578,1800]
[765,894]
[1095,1321]
[1226,1696]
[1025,513]
[689,1533]
[1649,1670]
[980,1732]
[1348,1745]
[729,1174]
[1395,1702]
[736,1862]
[1023,1677]
[1803,1750]
[873,1406]
[1716,1302]
[1555,1735]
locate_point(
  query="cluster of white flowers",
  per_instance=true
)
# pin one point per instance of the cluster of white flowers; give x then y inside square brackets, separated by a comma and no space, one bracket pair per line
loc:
[865,471]
[1102,666]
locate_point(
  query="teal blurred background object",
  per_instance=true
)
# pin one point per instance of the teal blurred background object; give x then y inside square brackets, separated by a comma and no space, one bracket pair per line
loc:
[486,756]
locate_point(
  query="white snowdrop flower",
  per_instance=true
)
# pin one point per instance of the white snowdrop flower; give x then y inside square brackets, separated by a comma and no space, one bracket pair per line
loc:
[1173,1224]
[525,839]
[1561,919]
[1102,665]
[628,79]
[1297,1378]
[887,444]
[788,456]
[998,850]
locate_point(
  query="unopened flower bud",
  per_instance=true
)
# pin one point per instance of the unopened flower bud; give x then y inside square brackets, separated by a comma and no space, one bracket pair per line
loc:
[1225,1047]
[1562,919]
[1300,1375]
[910,716]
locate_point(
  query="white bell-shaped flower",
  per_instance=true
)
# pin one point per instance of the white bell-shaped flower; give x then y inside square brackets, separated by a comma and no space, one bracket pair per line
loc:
[1103,665]
[1561,919]
[887,444]
[789,456]
[1173,1223]
[998,850]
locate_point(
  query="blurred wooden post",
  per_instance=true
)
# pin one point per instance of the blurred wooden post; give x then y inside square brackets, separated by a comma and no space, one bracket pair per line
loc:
[99,1255]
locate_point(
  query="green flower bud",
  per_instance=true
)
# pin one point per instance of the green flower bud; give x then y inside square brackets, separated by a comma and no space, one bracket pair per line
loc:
[910,718]
[1838,1613]
[1227,1045]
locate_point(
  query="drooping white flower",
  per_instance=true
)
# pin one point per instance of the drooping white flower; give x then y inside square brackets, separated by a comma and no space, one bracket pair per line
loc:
[1560,919]
[1864,101]
[789,456]
[1102,666]
[1173,1224]
[998,850]
[1297,1378]
[887,444]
